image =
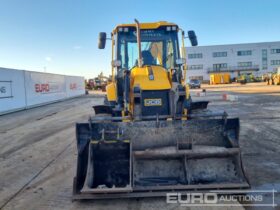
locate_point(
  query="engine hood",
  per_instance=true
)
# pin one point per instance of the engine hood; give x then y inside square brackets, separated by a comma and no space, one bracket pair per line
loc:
[150,78]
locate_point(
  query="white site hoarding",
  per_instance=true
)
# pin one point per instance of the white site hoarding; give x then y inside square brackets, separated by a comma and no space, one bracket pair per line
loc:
[24,89]
[43,88]
[12,90]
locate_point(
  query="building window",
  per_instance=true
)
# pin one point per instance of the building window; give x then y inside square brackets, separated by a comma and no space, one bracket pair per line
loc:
[244,52]
[195,67]
[274,51]
[275,62]
[219,66]
[245,64]
[195,55]
[264,59]
[219,54]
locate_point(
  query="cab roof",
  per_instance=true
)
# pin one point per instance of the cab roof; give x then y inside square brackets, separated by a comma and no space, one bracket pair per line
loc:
[152,25]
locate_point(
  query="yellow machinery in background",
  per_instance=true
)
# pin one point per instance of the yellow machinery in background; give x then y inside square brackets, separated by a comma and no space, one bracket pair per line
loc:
[149,137]
[273,78]
[219,78]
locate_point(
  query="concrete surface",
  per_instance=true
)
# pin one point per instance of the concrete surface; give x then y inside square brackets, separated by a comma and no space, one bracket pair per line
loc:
[38,151]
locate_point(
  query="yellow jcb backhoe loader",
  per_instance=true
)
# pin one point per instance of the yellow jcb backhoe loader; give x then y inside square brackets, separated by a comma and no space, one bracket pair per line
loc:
[149,137]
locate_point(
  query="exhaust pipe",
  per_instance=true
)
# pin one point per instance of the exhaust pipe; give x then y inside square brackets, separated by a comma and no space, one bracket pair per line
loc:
[139,43]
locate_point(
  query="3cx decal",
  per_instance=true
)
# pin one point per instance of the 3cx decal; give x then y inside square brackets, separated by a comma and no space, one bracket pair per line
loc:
[152,102]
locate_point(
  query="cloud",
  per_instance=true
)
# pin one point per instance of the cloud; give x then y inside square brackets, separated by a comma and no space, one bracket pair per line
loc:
[48,58]
[77,47]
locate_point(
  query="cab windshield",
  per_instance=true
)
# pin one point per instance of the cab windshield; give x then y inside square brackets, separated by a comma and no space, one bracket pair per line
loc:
[158,47]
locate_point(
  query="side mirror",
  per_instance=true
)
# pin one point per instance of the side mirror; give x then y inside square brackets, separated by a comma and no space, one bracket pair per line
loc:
[116,63]
[192,37]
[180,61]
[102,40]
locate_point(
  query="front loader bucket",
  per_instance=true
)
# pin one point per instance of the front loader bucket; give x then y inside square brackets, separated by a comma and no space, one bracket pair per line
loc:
[150,158]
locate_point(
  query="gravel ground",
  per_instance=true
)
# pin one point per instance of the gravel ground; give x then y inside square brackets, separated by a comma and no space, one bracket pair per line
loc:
[38,151]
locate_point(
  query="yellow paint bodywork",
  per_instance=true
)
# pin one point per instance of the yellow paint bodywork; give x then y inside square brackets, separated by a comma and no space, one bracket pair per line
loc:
[187,89]
[140,77]
[111,92]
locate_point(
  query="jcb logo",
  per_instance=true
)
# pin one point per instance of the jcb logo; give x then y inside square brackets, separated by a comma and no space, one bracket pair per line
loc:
[152,102]
[3,89]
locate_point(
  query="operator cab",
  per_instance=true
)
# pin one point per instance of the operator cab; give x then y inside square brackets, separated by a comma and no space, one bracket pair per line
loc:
[159,46]
[146,57]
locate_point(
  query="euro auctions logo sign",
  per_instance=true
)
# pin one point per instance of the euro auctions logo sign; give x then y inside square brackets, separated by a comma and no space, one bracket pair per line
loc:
[224,198]
[42,88]
[6,89]
[192,198]
[50,87]
[3,89]
[73,86]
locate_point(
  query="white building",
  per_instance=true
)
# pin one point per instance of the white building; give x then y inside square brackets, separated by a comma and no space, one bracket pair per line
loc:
[256,58]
